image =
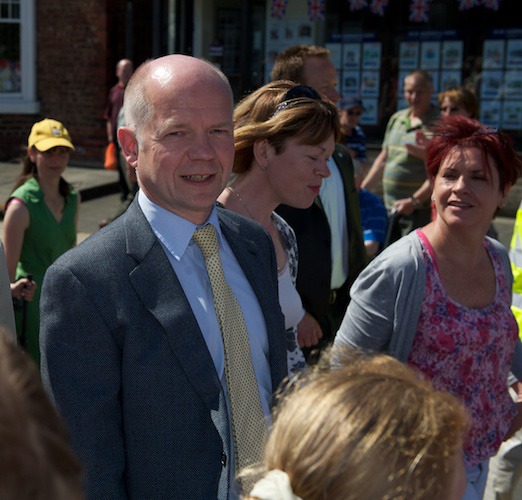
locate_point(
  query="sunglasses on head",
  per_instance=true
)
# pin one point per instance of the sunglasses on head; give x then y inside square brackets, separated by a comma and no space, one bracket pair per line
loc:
[298,92]
[301,91]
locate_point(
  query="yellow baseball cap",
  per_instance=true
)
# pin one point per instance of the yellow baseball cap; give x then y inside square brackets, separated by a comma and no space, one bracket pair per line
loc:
[48,134]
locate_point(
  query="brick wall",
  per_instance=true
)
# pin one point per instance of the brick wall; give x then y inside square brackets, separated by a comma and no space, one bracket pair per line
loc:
[77,49]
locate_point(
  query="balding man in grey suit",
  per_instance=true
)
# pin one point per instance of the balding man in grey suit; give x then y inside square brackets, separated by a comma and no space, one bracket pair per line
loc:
[132,352]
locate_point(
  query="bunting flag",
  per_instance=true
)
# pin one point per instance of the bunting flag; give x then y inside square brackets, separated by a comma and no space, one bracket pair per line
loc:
[316,10]
[279,8]
[378,6]
[357,4]
[491,4]
[419,10]
[468,4]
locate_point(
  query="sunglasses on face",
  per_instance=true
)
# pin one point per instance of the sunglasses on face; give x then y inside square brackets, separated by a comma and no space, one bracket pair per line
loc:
[354,113]
[451,109]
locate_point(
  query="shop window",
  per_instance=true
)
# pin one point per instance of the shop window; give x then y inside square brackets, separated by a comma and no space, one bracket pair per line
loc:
[17,56]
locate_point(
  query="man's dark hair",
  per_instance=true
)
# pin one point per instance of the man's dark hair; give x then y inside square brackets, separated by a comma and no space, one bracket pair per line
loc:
[289,63]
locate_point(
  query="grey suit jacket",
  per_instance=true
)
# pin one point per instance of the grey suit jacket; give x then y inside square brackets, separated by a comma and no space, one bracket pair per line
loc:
[125,362]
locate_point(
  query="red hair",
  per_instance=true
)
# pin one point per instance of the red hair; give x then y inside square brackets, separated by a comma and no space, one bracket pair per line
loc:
[461,132]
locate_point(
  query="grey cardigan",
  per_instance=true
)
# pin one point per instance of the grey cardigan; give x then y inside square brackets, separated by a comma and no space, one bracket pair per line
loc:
[386,301]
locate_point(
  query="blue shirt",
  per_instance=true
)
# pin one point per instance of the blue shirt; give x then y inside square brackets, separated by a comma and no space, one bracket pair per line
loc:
[175,235]
[374,217]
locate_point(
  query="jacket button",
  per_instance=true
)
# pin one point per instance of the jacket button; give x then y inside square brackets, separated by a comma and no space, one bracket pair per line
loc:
[223,459]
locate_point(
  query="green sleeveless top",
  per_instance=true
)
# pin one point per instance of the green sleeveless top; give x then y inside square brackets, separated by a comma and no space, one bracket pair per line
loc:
[44,241]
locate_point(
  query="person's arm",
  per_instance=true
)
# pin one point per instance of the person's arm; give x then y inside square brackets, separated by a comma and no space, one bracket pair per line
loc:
[516,391]
[16,221]
[371,246]
[369,319]
[406,206]
[109,131]
[376,170]
[419,148]
[363,172]
[308,331]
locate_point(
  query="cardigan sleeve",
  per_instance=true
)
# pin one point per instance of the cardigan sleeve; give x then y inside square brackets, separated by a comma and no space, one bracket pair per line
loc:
[516,365]
[385,302]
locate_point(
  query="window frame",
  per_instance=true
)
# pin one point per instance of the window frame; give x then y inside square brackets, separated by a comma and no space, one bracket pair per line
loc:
[24,102]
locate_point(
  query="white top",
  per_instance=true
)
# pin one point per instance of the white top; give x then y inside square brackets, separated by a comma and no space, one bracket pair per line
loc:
[289,299]
[332,198]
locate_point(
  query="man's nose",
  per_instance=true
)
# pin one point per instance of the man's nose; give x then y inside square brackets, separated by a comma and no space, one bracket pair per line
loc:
[201,148]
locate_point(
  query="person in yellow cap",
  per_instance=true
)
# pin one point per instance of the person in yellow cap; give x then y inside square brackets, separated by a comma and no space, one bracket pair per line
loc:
[40,221]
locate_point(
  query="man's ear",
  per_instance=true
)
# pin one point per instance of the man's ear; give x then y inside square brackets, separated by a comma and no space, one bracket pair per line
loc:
[129,145]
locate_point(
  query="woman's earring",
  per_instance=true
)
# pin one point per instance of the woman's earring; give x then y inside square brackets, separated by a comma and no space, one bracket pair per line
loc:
[263,167]
[433,198]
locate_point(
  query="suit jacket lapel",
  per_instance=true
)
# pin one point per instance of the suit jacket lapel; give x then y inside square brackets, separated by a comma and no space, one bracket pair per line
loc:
[160,290]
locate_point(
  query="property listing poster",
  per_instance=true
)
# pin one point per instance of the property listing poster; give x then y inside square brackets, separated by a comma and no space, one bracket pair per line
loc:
[438,52]
[357,59]
[281,34]
[500,82]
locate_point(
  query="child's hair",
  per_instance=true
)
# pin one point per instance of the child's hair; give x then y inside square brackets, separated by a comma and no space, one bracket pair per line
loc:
[36,462]
[29,171]
[370,427]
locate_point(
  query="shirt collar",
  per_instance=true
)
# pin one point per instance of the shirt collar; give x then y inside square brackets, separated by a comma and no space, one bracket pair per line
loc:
[173,231]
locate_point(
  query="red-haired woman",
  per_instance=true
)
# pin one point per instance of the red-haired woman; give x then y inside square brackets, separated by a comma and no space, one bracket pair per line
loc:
[438,299]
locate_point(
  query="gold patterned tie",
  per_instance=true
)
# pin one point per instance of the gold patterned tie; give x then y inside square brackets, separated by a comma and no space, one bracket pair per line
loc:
[248,424]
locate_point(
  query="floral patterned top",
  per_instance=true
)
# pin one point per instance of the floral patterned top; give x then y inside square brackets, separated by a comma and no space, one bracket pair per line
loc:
[468,352]
[295,356]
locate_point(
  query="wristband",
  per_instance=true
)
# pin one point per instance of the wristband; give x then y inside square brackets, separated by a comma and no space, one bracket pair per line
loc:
[415,202]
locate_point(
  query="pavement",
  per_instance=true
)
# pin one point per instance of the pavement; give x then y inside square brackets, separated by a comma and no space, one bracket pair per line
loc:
[100,197]
[98,187]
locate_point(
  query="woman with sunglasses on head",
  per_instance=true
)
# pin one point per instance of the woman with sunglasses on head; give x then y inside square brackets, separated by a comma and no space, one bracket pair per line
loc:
[284,134]
[39,224]
[439,299]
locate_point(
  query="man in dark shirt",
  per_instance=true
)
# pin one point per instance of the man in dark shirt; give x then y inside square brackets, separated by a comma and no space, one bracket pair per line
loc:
[329,234]
[124,70]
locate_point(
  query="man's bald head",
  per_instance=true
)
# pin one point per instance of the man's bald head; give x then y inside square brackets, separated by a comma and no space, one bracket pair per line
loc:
[176,71]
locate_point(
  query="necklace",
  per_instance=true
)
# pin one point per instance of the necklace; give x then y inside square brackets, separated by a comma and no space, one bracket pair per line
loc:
[233,191]
[243,204]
